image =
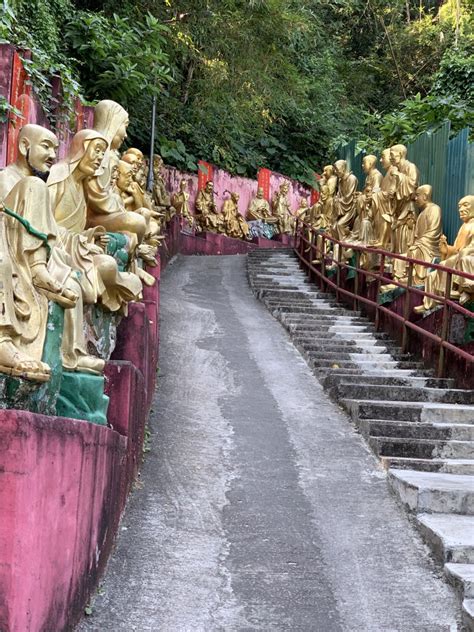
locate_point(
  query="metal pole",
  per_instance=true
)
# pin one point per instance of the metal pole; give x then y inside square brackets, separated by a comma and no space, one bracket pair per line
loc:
[149,181]
[445,326]
[406,308]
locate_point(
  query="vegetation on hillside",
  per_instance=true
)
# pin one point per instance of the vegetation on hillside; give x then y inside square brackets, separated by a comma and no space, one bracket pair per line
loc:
[251,83]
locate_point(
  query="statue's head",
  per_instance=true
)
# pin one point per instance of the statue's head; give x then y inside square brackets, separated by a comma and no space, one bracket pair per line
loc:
[260,193]
[385,159]
[111,120]
[157,162]
[284,188]
[209,186]
[133,160]
[328,171]
[368,163]
[94,154]
[183,185]
[397,154]
[37,147]
[340,167]
[466,208]
[423,195]
[136,152]
[235,196]
[83,159]
[303,203]
[125,175]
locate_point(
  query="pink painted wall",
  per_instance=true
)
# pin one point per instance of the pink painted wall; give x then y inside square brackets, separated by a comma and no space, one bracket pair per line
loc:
[246,187]
[60,491]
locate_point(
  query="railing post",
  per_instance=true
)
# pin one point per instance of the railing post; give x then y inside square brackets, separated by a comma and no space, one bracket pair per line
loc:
[338,272]
[406,308]
[323,261]
[378,284]
[355,305]
[444,326]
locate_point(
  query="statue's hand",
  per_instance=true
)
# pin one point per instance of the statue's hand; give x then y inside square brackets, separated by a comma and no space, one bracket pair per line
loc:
[102,240]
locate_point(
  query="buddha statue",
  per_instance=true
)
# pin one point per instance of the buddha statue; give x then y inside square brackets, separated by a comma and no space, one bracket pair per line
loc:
[161,197]
[459,256]
[406,178]
[345,201]
[259,218]
[322,213]
[110,121]
[281,210]
[425,246]
[302,212]
[234,223]
[180,201]
[363,230]
[68,183]
[29,197]
[207,215]
[382,205]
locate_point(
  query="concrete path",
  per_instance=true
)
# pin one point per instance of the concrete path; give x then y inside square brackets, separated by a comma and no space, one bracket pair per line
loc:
[259,506]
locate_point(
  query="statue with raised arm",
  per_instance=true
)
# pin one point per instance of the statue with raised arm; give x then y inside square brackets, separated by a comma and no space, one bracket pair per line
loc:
[459,256]
[406,178]
[207,216]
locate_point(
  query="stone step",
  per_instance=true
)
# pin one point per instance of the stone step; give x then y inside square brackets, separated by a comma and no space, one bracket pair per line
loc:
[424,412]
[468,615]
[451,536]
[323,372]
[333,352]
[430,382]
[428,492]
[461,576]
[416,430]
[345,390]
[448,466]
[421,448]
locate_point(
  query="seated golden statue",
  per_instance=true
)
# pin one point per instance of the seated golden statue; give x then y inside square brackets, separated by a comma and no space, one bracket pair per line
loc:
[180,201]
[345,201]
[111,121]
[234,223]
[425,244]
[68,183]
[259,209]
[459,256]
[281,209]
[207,215]
[51,269]
[406,178]
[382,205]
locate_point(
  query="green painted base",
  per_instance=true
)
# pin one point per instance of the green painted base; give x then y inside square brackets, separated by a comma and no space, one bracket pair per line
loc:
[35,396]
[82,397]
[117,248]
[390,296]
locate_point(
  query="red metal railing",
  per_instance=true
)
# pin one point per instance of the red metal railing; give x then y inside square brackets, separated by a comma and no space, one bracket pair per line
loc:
[309,248]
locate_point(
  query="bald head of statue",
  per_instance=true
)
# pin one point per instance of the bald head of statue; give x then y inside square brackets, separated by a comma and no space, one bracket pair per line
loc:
[37,147]
[466,208]
[423,195]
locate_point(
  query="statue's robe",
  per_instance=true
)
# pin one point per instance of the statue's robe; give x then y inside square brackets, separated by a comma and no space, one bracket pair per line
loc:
[382,209]
[282,211]
[345,206]
[206,212]
[404,207]
[234,224]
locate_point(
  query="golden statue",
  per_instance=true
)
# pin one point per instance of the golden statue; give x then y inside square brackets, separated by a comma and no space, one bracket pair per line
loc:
[51,267]
[160,195]
[363,230]
[140,171]
[259,217]
[382,204]
[302,212]
[281,209]
[459,256]
[180,201]
[345,201]
[234,223]
[111,121]
[68,183]
[406,178]
[425,244]
[322,213]
[207,215]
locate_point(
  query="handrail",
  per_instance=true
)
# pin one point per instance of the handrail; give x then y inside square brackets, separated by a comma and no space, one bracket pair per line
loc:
[305,236]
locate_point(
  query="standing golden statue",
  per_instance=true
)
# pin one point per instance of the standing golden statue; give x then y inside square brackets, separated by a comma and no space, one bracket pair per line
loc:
[180,201]
[207,216]
[282,210]
[383,203]
[406,178]
[322,213]
[459,256]
[160,194]
[234,223]
[363,230]
[345,201]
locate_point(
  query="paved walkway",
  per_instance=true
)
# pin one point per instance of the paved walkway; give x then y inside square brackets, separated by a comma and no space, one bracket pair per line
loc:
[259,506]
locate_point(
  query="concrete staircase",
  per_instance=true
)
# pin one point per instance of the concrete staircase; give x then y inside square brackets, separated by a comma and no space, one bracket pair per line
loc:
[421,427]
